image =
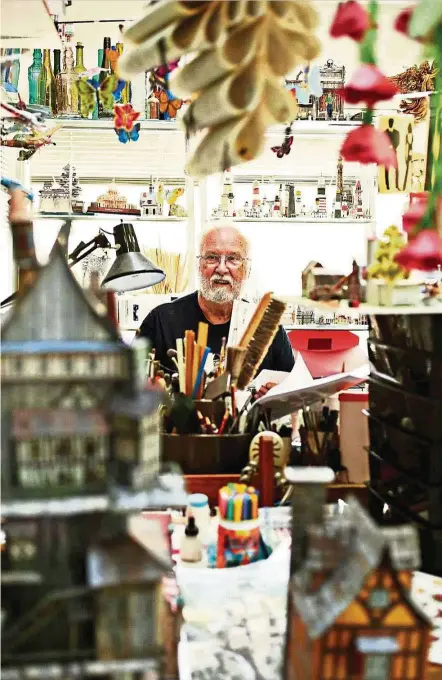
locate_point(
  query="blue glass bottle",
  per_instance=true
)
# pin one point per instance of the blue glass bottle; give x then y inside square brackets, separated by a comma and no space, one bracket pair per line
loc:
[96,79]
[33,73]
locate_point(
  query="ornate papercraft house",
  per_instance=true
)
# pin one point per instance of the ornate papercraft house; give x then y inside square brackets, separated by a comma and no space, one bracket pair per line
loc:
[332,79]
[148,203]
[350,612]
[80,454]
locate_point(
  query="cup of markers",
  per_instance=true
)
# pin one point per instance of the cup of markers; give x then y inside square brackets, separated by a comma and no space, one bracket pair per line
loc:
[238,529]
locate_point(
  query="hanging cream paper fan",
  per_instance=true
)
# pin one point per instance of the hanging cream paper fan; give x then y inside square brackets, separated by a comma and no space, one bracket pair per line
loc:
[242,49]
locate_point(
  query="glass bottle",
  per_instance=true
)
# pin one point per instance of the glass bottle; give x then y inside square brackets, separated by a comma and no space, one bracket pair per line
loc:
[105,64]
[126,94]
[96,80]
[67,92]
[33,74]
[57,69]
[79,55]
[46,82]
[15,70]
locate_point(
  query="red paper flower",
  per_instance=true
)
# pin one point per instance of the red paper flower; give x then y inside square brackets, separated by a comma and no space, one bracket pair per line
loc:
[402,21]
[351,20]
[368,85]
[366,145]
[413,216]
[125,117]
[423,252]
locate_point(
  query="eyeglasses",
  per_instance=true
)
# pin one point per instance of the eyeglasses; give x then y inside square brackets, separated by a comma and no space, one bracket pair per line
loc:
[231,261]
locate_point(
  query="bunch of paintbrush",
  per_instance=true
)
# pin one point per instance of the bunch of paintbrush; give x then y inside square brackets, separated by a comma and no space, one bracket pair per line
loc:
[319,437]
[190,360]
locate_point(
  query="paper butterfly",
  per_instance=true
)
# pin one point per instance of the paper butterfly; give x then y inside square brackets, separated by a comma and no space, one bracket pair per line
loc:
[124,136]
[165,69]
[109,92]
[285,147]
[169,105]
[124,123]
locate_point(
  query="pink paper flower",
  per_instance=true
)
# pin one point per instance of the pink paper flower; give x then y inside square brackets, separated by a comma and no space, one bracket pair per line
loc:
[351,20]
[366,145]
[414,215]
[423,252]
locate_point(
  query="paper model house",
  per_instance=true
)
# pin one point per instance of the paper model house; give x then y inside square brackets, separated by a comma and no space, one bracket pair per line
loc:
[350,611]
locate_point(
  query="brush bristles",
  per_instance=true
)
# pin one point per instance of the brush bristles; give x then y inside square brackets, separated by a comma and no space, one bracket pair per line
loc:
[261,341]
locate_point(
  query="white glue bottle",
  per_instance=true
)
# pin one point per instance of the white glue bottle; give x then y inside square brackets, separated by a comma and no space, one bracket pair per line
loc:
[190,547]
[198,507]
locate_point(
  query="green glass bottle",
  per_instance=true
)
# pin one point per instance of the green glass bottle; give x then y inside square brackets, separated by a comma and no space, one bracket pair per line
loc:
[33,75]
[105,64]
[79,56]
[68,104]
[96,80]
[46,83]
[57,69]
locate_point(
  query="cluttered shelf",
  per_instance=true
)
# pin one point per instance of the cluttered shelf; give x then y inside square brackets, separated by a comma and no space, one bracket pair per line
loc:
[107,216]
[364,308]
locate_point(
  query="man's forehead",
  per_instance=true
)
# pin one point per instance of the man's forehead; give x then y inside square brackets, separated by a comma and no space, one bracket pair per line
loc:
[224,239]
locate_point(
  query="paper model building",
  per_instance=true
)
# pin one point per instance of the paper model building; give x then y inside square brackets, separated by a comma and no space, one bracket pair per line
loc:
[113,202]
[350,612]
[148,203]
[80,453]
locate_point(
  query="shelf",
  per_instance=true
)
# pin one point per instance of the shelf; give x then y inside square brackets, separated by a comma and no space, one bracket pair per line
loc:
[367,309]
[27,25]
[301,220]
[108,124]
[105,216]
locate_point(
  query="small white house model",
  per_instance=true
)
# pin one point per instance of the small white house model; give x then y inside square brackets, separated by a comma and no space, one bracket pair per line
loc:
[148,203]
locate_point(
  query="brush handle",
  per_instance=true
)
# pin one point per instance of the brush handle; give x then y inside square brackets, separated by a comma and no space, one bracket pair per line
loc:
[190,346]
[199,376]
[255,320]
[181,368]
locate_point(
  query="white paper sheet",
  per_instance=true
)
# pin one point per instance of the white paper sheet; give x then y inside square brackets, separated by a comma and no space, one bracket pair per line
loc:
[299,389]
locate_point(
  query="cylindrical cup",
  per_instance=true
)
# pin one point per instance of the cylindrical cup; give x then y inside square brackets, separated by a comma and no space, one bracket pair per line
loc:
[238,543]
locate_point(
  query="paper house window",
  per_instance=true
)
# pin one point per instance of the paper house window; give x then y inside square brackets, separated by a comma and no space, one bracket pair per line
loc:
[377,667]
[378,598]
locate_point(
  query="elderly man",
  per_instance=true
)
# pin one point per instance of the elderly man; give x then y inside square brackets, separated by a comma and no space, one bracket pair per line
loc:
[223,269]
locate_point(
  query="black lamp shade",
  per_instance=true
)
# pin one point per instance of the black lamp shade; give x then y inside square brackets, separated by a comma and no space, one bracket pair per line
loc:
[131,269]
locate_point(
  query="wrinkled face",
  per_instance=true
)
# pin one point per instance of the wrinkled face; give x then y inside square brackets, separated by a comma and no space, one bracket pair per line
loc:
[223,265]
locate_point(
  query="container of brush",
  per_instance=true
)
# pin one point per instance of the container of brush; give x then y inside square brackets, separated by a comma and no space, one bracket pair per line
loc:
[207,454]
[320,439]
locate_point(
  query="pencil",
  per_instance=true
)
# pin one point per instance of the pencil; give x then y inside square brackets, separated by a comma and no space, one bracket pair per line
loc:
[200,372]
[181,368]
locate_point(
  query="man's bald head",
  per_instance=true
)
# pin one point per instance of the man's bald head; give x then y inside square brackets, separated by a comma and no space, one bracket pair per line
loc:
[225,237]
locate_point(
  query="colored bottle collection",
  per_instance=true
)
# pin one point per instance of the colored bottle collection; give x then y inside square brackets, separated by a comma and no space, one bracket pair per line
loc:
[54,86]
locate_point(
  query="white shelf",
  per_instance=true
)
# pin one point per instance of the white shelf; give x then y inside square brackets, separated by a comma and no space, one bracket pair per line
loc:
[301,220]
[367,309]
[105,216]
[108,124]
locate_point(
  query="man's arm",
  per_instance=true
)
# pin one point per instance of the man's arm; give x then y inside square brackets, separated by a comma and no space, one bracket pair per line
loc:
[282,353]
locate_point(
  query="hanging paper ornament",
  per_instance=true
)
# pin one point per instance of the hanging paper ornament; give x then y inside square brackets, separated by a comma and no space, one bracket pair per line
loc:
[124,123]
[109,92]
[169,104]
[242,49]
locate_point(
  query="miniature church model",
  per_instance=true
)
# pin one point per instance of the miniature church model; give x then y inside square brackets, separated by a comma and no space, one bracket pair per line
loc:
[80,454]
[350,614]
[148,203]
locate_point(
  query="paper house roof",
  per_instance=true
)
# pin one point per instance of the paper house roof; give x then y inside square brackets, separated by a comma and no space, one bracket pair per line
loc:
[55,310]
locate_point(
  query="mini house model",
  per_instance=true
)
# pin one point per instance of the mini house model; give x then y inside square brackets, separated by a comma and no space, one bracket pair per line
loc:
[350,612]
[80,455]
[148,203]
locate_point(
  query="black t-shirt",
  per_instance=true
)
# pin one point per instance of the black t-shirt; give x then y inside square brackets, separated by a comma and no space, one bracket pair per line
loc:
[169,321]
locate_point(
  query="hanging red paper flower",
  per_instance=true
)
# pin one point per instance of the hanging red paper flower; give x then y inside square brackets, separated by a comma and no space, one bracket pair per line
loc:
[414,215]
[366,145]
[402,21]
[351,20]
[423,252]
[125,117]
[369,85]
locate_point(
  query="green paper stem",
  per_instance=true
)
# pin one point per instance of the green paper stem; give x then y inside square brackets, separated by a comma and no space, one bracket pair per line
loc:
[367,118]
[367,49]
[429,219]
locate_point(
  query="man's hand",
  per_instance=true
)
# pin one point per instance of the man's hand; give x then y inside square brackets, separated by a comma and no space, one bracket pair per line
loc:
[264,389]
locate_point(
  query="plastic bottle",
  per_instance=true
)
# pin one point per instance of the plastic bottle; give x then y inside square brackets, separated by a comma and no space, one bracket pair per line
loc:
[198,507]
[190,547]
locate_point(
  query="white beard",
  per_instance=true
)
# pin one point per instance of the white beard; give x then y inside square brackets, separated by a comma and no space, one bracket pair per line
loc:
[220,293]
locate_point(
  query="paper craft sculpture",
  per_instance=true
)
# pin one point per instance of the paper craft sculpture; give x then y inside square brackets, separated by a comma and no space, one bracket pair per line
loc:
[242,49]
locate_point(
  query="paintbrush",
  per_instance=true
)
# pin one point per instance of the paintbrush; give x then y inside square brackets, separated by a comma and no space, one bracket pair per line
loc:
[265,326]
[234,361]
[190,346]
